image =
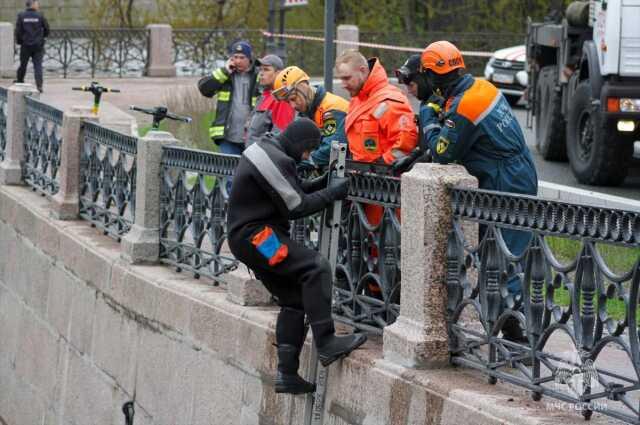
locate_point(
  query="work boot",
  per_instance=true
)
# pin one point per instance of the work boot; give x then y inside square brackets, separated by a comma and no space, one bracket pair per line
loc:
[290,335]
[287,378]
[332,347]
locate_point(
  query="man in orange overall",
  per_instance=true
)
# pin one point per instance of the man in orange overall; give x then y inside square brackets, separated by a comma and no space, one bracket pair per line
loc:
[380,125]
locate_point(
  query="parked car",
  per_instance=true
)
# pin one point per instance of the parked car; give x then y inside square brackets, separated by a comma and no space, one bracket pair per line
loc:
[506,70]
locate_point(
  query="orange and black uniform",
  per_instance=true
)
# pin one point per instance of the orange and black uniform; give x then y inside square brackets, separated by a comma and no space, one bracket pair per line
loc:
[329,112]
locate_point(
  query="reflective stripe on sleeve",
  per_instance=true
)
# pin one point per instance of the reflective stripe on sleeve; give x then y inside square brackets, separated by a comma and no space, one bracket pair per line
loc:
[219,75]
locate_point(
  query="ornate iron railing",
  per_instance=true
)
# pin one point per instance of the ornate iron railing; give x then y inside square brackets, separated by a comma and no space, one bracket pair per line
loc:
[574,350]
[193,205]
[42,142]
[114,51]
[199,51]
[108,179]
[3,122]
[367,285]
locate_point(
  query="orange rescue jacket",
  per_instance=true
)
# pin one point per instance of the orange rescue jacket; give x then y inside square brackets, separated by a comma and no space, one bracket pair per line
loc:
[380,122]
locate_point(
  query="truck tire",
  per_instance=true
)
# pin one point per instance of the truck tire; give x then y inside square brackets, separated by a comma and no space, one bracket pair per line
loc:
[598,155]
[550,124]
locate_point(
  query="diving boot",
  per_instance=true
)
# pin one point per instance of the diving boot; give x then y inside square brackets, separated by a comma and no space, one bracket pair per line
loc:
[287,378]
[338,347]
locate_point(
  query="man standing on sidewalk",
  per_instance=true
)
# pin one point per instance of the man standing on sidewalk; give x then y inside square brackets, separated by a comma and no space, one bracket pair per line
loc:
[31,30]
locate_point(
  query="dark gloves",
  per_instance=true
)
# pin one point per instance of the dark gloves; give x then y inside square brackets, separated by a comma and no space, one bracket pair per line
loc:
[405,163]
[316,183]
[338,188]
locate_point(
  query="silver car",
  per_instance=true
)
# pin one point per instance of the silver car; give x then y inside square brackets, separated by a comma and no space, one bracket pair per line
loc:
[506,70]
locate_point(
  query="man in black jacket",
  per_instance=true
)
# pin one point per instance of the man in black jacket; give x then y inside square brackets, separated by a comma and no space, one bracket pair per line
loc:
[237,90]
[31,30]
[299,278]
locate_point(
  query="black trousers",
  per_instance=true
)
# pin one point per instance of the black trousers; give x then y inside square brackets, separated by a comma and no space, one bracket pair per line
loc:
[302,281]
[35,53]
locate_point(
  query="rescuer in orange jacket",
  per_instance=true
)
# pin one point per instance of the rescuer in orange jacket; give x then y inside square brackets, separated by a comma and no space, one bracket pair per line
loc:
[380,124]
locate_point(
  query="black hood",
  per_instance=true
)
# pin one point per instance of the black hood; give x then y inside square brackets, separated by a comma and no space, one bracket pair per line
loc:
[300,136]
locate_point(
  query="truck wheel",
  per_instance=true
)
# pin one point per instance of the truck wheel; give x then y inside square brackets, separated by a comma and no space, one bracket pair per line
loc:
[598,155]
[550,125]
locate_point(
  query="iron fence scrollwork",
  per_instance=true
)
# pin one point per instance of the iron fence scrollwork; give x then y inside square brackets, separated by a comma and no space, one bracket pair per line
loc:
[367,282]
[42,143]
[575,351]
[3,122]
[108,179]
[193,205]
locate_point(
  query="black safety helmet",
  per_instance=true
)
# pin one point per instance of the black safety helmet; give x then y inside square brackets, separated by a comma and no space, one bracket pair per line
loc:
[410,72]
[301,136]
[407,72]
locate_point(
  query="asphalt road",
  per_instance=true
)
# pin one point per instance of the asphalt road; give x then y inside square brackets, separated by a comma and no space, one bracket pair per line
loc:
[560,172]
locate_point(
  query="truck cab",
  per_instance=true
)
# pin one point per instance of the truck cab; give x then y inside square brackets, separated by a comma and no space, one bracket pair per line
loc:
[584,73]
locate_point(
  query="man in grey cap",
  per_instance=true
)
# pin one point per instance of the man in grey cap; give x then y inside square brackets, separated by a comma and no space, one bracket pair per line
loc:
[270,115]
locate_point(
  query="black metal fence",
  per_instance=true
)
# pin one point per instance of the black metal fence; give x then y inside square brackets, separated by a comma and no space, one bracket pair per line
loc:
[3,122]
[119,52]
[42,142]
[367,281]
[108,179]
[124,52]
[193,205]
[575,349]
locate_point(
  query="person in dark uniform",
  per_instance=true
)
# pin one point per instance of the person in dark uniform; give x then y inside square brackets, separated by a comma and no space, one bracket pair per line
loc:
[31,30]
[473,125]
[299,278]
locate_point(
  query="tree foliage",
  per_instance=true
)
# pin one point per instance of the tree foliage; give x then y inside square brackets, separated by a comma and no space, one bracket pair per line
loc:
[394,16]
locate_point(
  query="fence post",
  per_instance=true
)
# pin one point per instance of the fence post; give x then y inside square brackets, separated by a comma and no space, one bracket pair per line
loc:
[347,33]
[142,243]
[11,167]
[65,205]
[7,61]
[159,60]
[419,338]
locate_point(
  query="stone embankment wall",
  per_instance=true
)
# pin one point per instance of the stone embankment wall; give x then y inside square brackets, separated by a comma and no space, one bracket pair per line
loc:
[82,332]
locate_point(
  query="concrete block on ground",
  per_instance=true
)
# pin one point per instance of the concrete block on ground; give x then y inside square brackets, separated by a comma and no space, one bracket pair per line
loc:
[244,289]
[419,336]
[11,167]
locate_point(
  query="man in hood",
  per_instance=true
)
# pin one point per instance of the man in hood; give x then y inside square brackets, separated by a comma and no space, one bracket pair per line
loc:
[299,278]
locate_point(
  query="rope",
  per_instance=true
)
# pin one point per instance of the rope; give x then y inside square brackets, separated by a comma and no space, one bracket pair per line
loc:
[373,45]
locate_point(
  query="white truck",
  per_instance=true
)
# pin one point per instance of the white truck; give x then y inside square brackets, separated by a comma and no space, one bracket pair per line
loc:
[584,87]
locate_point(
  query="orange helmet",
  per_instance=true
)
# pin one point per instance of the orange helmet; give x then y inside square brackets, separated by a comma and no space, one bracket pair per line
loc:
[441,57]
[286,81]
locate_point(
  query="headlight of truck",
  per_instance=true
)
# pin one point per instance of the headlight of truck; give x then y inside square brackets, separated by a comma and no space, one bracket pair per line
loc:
[629,105]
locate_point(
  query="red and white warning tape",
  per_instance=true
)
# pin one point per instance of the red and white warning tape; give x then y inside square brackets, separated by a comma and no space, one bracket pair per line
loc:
[373,45]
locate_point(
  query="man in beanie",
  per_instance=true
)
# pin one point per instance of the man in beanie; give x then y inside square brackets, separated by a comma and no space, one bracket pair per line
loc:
[299,278]
[237,90]
[270,114]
